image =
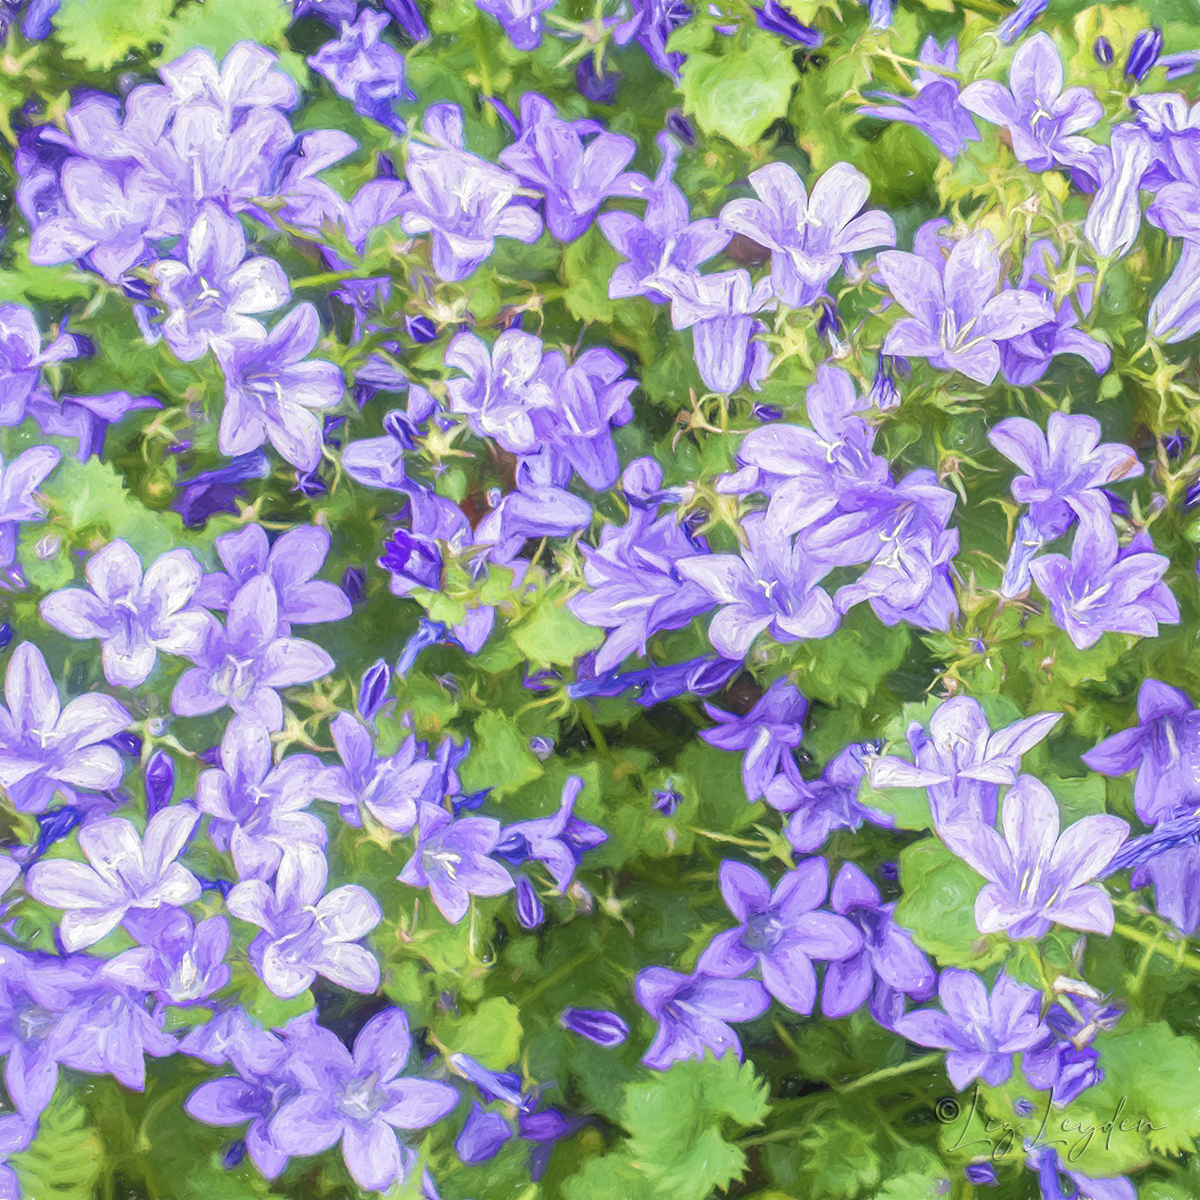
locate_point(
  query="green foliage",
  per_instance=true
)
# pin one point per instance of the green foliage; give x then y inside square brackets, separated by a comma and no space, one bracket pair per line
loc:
[102,32]
[65,1160]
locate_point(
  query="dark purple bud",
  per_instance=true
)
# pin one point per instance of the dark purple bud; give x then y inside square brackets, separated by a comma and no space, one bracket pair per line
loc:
[127,743]
[223,886]
[354,583]
[828,323]
[667,799]
[884,393]
[408,17]
[135,289]
[889,870]
[774,18]
[52,827]
[766,412]
[1024,15]
[421,328]
[597,1025]
[1144,53]
[416,560]
[541,681]
[309,483]
[376,683]
[5,635]
[211,757]
[429,633]
[679,126]
[235,1154]
[1176,444]
[530,911]
[495,1085]
[982,1174]
[1102,49]
[482,1135]
[1023,1107]
[84,346]
[160,781]
[599,89]
[545,1126]
[542,747]
[1115,502]
[397,425]
[385,168]
[471,803]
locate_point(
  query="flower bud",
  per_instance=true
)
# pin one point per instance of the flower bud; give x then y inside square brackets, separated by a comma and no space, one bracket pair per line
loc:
[681,127]
[542,747]
[234,1154]
[373,692]
[127,743]
[6,634]
[982,1174]
[421,328]
[1102,49]
[530,911]
[482,1136]
[599,88]
[766,412]
[160,781]
[354,583]
[1144,53]
[597,1025]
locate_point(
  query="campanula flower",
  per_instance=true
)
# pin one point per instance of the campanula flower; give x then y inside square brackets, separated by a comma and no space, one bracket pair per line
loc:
[767,733]
[183,965]
[1144,53]
[599,1026]
[134,615]
[365,69]
[520,19]
[652,23]
[808,236]
[558,841]
[1026,12]
[1173,869]
[980,1033]
[1114,219]
[19,481]
[779,931]
[1175,310]
[1037,878]
[22,358]
[1058,1182]
[775,18]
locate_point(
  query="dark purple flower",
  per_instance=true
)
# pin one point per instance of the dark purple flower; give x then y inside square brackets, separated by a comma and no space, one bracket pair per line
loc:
[421,329]
[373,691]
[160,781]
[408,18]
[602,1027]
[558,841]
[1103,51]
[521,19]
[767,733]
[774,18]
[530,910]
[1144,53]
[600,87]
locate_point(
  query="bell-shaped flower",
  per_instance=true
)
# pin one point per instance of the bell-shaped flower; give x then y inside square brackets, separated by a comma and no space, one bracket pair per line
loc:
[125,873]
[306,934]
[1037,878]
[768,733]
[19,481]
[956,318]
[45,748]
[1175,310]
[521,20]
[365,69]
[1115,218]
[183,965]
[780,932]
[558,841]
[808,236]
[134,615]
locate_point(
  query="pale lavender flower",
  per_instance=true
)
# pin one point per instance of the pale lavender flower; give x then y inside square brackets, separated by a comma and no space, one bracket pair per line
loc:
[818,807]
[359,1099]
[780,931]
[306,934]
[1174,872]
[771,585]
[257,809]
[500,389]
[1040,117]
[768,733]
[651,24]
[184,965]
[463,200]
[1175,310]
[19,481]
[558,841]
[274,391]
[125,877]
[980,1033]
[1104,587]
[22,358]
[809,237]
[365,69]
[520,19]
[45,748]
[1024,15]
[694,1013]
[134,615]
[1037,878]
[956,318]
[451,860]
[211,295]
[1114,219]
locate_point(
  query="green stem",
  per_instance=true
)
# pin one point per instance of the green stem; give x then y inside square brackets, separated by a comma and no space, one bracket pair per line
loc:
[916,1064]
[1191,961]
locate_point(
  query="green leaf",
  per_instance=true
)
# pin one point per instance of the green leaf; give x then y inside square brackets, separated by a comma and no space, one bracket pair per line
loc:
[500,757]
[587,266]
[554,637]
[678,1121]
[739,94]
[491,1034]
[65,1159]
[218,25]
[102,32]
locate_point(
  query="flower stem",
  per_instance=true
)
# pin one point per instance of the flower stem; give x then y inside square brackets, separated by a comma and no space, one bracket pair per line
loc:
[916,1064]
[1191,961]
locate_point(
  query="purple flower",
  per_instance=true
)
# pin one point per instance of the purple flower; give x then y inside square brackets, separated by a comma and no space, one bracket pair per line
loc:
[956,318]
[530,910]
[306,934]
[134,615]
[775,18]
[636,586]
[365,69]
[1066,1064]
[408,17]
[1059,1182]
[1175,311]
[451,860]
[210,296]
[500,390]
[209,492]
[242,663]
[257,809]
[124,874]
[84,418]
[464,201]
[694,1012]
[1174,872]
[1024,15]
[333,12]
[780,931]
[772,585]
[599,1026]
[19,481]
[45,748]
[389,789]
[1115,219]
[184,964]
[521,19]
[290,564]
[936,109]
[767,734]
[887,963]
[809,237]
[1064,468]
[1105,587]
[159,775]
[359,1099]
[818,808]
[652,23]
[1164,749]
[1144,53]
[22,358]
[1040,117]
[663,242]
[274,391]
[981,1033]
[483,1133]
[550,155]
[373,691]
[1037,878]
[961,761]
[558,842]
